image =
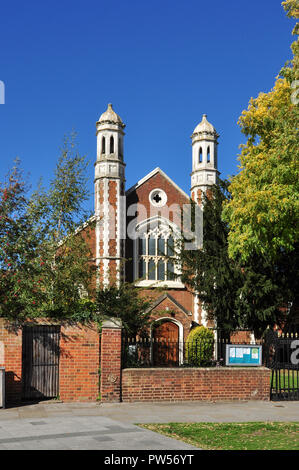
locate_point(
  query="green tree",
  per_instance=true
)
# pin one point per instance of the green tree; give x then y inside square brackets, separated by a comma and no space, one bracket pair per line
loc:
[236,294]
[60,220]
[264,208]
[208,271]
[125,303]
[20,267]
[45,261]
[199,347]
[268,295]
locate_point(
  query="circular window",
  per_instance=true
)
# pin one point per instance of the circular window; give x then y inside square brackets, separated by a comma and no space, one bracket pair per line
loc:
[158,197]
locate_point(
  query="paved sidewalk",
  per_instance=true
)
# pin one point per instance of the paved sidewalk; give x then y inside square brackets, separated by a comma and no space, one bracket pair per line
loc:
[81,433]
[86,426]
[59,426]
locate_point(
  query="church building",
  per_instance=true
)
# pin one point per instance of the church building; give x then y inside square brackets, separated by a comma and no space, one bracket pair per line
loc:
[136,228]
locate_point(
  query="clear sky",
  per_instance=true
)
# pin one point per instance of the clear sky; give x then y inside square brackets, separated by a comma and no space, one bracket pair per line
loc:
[162,64]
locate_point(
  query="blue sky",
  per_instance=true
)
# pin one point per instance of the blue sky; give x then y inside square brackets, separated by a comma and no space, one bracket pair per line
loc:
[161,63]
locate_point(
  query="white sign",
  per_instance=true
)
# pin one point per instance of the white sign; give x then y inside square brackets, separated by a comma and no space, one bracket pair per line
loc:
[239,352]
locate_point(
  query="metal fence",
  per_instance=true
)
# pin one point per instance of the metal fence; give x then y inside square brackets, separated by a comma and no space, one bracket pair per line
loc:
[40,361]
[159,352]
[282,356]
[280,353]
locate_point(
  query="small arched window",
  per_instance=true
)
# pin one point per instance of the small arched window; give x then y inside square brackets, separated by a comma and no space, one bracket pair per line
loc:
[120,150]
[208,155]
[103,145]
[111,144]
[200,155]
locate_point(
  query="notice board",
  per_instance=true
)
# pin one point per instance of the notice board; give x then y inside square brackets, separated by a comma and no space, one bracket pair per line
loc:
[243,355]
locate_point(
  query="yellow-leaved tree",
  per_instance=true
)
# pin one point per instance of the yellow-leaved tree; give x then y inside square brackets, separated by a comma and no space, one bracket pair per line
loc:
[263,212]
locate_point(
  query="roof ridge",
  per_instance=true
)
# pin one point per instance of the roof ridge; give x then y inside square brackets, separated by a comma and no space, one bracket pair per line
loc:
[149,175]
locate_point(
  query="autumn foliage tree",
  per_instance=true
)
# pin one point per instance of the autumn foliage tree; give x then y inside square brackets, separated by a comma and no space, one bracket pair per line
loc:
[45,261]
[234,294]
[264,209]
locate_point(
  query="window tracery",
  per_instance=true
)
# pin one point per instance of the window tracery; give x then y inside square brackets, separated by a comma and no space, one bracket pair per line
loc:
[156,255]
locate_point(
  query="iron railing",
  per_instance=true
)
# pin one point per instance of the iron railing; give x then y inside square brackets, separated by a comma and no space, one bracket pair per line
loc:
[280,353]
[282,356]
[159,352]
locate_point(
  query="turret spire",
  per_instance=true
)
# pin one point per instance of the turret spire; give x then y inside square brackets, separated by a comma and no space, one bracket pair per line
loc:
[204,158]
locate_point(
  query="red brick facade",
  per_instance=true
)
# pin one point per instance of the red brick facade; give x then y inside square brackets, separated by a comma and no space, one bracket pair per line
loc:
[141,195]
[175,199]
[171,211]
[171,312]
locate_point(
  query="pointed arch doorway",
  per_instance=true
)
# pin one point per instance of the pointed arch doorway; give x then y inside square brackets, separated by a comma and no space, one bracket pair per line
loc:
[165,352]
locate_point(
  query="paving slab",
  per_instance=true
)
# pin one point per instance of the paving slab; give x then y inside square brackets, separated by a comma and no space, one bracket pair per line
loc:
[80,433]
[87,426]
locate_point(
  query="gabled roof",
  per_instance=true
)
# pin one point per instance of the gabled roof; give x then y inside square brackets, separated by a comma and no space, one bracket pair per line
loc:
[168,296]
[150,175]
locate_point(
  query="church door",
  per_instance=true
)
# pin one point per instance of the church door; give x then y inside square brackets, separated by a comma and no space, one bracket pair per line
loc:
[166,344]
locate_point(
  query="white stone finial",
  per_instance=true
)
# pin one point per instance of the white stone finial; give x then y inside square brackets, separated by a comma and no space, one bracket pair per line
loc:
[110,116]
[205,126]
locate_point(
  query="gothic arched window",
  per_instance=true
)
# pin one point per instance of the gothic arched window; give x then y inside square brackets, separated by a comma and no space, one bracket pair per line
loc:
[111,144]
[156,257]
[103,145]
[208,155]
[120,149]
[200,155]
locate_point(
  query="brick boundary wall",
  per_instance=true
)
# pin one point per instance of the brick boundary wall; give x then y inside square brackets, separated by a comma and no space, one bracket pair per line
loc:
[196,384]
[78,363]
[11,359]
[79,378]
[111,361]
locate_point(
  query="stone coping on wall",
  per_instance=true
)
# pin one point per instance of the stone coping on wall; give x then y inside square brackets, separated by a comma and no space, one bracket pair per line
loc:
[182,368]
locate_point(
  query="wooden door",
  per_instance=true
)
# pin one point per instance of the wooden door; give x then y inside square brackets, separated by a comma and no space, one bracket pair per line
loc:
[166,345]
[40,361]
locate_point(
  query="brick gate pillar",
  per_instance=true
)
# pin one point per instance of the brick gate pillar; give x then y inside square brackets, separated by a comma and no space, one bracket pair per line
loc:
[111,361]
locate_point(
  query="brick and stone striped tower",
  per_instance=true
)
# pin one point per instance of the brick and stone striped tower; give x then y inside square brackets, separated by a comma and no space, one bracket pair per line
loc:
[204,158]
[110,198]
[204,175]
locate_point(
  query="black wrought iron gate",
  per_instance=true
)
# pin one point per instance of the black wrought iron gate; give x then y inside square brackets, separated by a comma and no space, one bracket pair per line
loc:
[282,356]
[40,361]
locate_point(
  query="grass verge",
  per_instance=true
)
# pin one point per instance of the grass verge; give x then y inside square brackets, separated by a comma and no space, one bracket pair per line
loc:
[233,436]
